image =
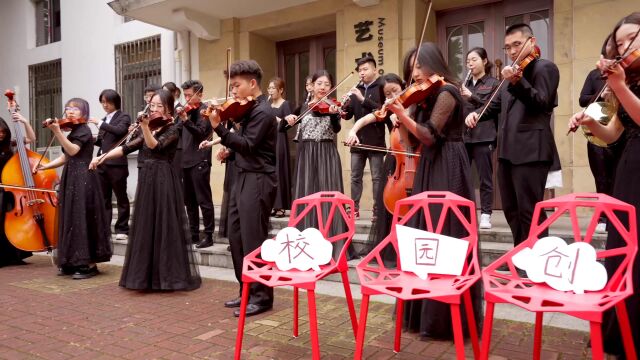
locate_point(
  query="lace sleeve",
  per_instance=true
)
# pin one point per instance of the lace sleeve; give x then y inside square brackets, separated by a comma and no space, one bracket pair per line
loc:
[134,144]
[430,132]
[167,138]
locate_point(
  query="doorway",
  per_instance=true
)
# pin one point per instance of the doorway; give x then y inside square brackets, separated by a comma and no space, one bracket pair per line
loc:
[484,25]
[298,58]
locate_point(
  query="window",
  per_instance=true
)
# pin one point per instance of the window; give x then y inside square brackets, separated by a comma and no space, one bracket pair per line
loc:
[540,24]
[137,66]
[47,21]
[45,96]
[460,39]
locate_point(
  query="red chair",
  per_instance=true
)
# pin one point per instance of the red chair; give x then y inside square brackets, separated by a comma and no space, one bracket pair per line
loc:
[255,269]
[540,298]
[376,279]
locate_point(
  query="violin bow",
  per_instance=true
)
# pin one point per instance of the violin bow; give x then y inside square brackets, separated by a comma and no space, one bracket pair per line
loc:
[415,57]
[310,108]
[381,149]
[20,187]
[495,91]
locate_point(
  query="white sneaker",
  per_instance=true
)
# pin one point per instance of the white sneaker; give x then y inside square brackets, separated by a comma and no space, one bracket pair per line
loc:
[485,221]
[121,237]
[601,228]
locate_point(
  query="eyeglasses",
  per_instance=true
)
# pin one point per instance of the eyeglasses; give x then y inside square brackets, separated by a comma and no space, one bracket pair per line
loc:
[71,108]
[515,45]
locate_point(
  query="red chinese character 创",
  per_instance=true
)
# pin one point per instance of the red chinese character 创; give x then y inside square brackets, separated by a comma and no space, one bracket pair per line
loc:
[560,265]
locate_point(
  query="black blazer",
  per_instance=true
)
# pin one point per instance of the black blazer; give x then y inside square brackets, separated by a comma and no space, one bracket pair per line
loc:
[111,133]
[525,109]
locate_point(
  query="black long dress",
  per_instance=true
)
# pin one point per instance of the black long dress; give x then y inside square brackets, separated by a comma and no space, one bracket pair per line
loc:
[283,172]
[9,255]
[159,255]
[84,235]
[444,166]
[625,189]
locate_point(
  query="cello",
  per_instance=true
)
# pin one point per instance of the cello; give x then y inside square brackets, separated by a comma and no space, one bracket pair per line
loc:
[31,224]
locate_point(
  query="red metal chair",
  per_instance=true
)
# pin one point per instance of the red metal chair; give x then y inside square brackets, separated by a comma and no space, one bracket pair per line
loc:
[255,269]
[376,279]
[540,298]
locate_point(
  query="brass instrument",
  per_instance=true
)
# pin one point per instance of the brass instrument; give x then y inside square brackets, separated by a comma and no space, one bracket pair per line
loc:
[602,113]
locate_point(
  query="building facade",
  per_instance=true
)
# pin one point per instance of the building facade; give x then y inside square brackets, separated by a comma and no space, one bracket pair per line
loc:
[59,49]
[291,38]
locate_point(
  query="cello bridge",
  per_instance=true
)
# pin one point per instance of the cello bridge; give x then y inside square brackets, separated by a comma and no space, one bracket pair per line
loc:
[35,202]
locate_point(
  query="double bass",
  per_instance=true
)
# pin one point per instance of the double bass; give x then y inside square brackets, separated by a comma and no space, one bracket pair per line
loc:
[31,224]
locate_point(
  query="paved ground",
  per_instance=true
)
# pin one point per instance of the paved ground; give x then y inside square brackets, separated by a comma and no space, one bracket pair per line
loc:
[46,316]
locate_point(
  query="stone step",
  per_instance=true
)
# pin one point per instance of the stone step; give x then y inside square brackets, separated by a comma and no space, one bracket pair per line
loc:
[493,243]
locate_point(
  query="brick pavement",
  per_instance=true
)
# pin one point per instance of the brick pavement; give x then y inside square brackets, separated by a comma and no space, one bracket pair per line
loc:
[43,316]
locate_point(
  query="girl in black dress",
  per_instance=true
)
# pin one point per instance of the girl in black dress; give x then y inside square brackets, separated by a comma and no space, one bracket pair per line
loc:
[9,255]
[437,122]
[625,86]
[281,109]
[84,235]
[159,253]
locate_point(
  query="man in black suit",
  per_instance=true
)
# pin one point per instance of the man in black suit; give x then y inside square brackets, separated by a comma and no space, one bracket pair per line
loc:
[113,173]
[526,147]
[253,194]
[196,166]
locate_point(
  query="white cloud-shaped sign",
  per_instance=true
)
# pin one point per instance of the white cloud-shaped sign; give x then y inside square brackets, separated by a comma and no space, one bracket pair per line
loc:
[561,266]
[424,253]
[292,249]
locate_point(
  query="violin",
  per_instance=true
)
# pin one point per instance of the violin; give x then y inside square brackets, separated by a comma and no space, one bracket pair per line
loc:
[231,109]
[412,95]
[324,106]
[31,224]
[66,124]
[189,108]
[520,65]
[158,121]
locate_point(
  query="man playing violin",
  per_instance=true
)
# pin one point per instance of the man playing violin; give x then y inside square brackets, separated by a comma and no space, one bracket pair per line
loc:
[526,147]
[196,163]
[253,193]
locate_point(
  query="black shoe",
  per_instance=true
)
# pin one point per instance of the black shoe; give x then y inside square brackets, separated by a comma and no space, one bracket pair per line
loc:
[205,243]
[85,272]
[65,271]
[253,309]
[233,303]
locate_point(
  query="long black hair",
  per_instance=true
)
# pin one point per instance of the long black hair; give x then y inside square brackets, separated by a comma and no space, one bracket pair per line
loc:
[431,59]
[633,18]
[5,144]
[393,79]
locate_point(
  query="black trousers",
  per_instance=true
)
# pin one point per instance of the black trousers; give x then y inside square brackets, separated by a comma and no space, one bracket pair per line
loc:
[521,187]
[114,178]
[481,153]
[177,163]
[602,162]
[197,193]
[250,204]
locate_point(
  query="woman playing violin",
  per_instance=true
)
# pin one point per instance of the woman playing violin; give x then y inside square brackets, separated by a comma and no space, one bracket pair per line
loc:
[625,86]
[318,167]
[437,122]
[84,236]
[9,255]
[158,253]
